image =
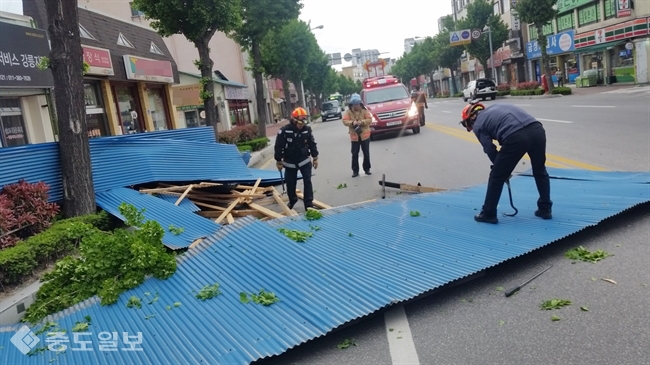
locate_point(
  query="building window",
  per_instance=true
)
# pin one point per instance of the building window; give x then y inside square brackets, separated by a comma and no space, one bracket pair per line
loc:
[610,9]
[12,125]
[157,108]
[83,33]
[122,41]
[588,14]
[154,49]
[239,113]
[565,22]
[135,12]
[95,114]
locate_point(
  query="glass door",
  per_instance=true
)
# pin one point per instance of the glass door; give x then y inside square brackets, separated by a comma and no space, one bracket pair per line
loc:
[95,114]
[12,126]
[129,109]
[157,108]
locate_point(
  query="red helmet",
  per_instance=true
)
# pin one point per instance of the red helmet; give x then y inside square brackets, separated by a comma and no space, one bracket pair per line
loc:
[299,114]
[467,113]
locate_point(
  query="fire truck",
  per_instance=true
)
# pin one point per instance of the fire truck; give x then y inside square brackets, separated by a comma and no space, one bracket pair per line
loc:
[390,104]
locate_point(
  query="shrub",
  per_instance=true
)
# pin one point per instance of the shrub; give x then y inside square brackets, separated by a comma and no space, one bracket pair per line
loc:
[458,95]
[529,85]
[25,210]
[503,93]
[239,134]
[229,137]
[244,147]
[254,145]
[61,238]
[561,90]
[503,87]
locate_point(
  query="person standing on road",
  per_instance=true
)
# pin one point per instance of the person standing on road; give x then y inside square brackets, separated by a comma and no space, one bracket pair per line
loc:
[560,77]
[295,149]
[420,103]
[518,133]
[358,120]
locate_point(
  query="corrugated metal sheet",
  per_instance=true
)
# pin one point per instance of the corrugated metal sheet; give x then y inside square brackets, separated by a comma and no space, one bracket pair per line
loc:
[176,155]
[362,259]
[165,213]
[185,203]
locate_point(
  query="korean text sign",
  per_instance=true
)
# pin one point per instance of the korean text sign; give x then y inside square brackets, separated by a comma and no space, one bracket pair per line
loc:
[556,44]
[21,50]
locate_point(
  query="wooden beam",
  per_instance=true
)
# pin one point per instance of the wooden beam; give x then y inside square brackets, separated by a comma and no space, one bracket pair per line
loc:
[267,212]
[215,207]
[196,243]
[257,183]
[230,218]
[235,213]
[412,188]
[317,203]
[179,200]
[230,207]
[282,204]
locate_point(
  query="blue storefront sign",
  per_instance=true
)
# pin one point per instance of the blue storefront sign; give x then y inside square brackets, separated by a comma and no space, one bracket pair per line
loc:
[556,44]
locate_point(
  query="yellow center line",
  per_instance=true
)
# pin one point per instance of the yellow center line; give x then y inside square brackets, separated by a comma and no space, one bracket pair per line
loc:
[551,160]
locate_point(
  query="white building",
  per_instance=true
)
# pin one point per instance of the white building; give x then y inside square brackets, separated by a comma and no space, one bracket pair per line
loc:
[410,42]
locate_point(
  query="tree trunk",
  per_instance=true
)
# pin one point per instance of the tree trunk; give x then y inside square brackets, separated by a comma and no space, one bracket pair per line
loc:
[299,91]
[259,92]
[287,95]
[545,66]
[66,62]
[207,94]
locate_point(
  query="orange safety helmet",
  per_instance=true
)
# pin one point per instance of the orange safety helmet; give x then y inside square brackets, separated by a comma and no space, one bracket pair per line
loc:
[467,113]
[299,114]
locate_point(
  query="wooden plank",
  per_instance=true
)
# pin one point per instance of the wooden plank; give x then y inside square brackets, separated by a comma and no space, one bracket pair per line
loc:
[420,189]
[165,190]
[267,212]
[235,213]
[316,203]
[187,191]
[230,218]
[196,243]
[257,184]
[282,204]
[230,207]
[215,207]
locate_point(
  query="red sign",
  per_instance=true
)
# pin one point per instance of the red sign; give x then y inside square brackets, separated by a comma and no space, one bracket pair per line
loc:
[99,60]
[145,69]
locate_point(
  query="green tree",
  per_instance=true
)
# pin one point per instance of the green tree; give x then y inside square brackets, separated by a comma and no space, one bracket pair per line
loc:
[444,54]
[346,86]
[405,68]
[286,53]
[320,78]
[66,62]
[259,17]
[480,13]
[539,12]
[198,21]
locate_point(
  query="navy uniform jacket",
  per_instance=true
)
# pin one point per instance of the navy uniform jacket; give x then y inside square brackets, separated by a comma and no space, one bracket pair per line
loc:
[295,145]
[497,122]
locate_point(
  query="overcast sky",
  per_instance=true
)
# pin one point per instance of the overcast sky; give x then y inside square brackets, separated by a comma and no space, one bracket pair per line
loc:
[365,24]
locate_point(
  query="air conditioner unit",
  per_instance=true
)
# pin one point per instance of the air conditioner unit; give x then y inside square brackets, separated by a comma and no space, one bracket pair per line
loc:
[12,309]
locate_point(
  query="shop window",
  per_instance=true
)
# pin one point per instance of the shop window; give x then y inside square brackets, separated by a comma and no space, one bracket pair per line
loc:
[610,9]
[95,113]
[157,109]
[128,106]
[239,112]
[122,41]
[588,14]
[83,33]
[12,125]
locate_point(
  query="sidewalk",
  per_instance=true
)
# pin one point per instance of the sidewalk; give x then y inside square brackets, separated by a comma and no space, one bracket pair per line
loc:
[580,91]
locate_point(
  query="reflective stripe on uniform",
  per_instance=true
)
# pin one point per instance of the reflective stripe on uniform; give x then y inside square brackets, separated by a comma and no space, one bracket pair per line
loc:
[293,166]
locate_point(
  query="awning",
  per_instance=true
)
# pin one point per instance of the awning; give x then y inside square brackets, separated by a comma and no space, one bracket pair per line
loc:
[599,47]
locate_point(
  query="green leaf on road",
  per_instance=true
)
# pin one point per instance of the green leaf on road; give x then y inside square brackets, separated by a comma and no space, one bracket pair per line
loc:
[415,213]
[584,309]
[555,304]
[499,288]
[346,343]
[582,254]
[555,318]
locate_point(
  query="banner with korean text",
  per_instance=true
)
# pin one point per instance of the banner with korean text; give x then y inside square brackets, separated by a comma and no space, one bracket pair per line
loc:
[21,50]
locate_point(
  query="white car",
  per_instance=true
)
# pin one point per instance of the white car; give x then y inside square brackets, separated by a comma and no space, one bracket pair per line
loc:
[480,89]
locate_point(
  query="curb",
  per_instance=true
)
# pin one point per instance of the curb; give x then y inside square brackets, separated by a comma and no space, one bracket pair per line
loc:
[260,156]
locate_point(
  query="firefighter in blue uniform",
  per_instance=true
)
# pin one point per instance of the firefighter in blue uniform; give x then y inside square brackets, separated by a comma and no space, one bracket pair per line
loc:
[295,149]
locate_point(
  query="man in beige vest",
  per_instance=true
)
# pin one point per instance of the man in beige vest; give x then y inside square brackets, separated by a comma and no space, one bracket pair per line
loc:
[421,103]
[358,120]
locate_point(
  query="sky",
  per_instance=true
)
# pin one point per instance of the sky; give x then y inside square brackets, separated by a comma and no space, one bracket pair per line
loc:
[365,24]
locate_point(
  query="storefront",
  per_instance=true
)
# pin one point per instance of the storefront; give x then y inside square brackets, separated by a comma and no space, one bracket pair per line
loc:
[614,51]
[238,105]
[561,47]
[100,64]
[24,89]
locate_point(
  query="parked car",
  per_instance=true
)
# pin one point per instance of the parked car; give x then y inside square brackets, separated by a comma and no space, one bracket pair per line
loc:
[330,110]
[480,89]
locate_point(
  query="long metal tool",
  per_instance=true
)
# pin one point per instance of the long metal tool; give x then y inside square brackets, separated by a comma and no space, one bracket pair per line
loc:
[282,179]
[511,203]
[516,289]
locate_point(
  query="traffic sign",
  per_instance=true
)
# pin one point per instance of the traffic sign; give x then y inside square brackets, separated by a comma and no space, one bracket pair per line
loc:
[460,37]
[476,33]
[347,57]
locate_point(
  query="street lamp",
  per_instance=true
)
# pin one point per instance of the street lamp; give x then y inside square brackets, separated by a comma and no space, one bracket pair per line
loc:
[318,27]
[489,32]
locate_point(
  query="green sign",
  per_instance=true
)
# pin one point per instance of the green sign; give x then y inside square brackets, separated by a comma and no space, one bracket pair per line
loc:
[566,5]
[565,22]
[588,15]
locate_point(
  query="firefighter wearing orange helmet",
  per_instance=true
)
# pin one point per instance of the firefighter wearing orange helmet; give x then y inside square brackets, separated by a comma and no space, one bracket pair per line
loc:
[518,133]
[295,150]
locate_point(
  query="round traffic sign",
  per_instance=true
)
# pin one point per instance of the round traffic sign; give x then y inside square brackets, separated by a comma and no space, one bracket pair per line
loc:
[465,34]
[476,33]
[347,57]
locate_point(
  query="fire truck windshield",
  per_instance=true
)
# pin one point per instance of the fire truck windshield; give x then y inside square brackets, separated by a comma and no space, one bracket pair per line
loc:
[385,94]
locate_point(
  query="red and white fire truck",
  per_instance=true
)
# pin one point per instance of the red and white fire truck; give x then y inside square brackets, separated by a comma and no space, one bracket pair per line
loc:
[390,104]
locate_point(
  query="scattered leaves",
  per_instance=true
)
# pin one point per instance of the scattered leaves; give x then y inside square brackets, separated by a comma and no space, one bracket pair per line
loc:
[243,297]
[80,327]
[314,228]
[298,236]
[501,323]
[415,213]
[208,292]
[584,309]
[499,288]
[390,330]
[346,343]
[582,254]
[555,318]
[608,280]
[555,304]
[177,304]
[155,299]
[342,186]
[45,327]
[350,234]
[175,230]
[263,297]
[134,302]
[313,215]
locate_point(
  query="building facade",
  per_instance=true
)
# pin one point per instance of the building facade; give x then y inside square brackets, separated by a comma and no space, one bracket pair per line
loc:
[128,86]
[25,90]
[410,42]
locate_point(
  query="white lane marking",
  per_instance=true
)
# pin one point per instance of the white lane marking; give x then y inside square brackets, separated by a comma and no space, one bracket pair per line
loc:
[446,111]
[554,120]
[593,106]
[400,340]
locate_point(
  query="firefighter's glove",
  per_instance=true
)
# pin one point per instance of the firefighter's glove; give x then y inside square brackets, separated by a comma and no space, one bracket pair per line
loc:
[279,165]
[315,163]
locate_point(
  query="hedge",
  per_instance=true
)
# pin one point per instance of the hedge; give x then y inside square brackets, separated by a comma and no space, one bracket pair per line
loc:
[459,95]
[526,92]
[503,92]
[253,145]
[62,238]
[561,90]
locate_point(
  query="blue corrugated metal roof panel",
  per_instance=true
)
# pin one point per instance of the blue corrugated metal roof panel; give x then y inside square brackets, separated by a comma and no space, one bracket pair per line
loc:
[185,203]
[332,278]
[269,177]
[198,134]
[165,213]
[33,163]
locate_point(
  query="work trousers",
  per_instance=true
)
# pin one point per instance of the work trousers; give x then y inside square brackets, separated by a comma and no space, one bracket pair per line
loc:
[365,147]
[532,140]
[421,114]
[291,175]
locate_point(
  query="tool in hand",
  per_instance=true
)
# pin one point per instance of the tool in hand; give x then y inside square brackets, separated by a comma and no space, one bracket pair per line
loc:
[516,289]
[511,203]
[282,179]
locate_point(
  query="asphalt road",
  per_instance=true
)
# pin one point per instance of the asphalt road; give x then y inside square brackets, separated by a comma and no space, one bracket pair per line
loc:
[473,323]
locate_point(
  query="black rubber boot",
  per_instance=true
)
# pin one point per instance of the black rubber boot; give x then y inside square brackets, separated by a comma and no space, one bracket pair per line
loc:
[482,217]
[544,213]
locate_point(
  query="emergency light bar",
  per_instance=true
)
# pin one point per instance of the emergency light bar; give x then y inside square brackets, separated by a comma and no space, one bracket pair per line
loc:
[379,81]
